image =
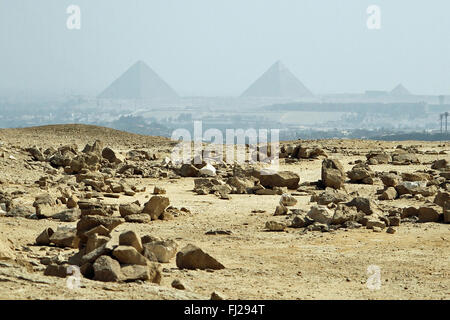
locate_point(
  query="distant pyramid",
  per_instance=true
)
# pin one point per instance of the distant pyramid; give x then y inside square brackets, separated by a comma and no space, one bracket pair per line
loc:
[278,81]
[400,91]
[139,82]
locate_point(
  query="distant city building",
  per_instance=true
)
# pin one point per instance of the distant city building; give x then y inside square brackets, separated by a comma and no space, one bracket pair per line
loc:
[278,82]
[139,82]
[376,93]
[400,91]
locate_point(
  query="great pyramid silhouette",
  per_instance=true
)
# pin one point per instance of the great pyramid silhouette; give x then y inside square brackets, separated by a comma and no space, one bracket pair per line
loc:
[399,91]
[139,82]
[277,81]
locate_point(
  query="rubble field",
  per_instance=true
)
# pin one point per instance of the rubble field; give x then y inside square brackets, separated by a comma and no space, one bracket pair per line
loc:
[94,213]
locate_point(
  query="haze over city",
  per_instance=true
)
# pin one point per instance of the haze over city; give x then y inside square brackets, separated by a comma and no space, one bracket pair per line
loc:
[217,48]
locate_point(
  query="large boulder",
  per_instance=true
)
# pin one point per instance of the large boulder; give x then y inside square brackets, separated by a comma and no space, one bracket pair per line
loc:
[333,174]
[390,179]
[441,198]
[330,195]
[361,173]
[447,212]
[188,170]
[378,158]
[129,255]
[343,214]
[430,213]
[127,209]
[150,272]
[270,179]
[156,206]
[320,214]
[110,155]
[416,187]
[364,205]
[163,250]
[107,269]
[440,164]
[192,257]
[129,238]
[65,238]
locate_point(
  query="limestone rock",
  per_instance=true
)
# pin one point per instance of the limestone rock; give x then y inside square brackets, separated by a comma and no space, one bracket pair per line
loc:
[320,214]
[192,257]
[129,238]
[129,255]
[333,174]
[279,179]
[107,269]
[156,206]
[163,250]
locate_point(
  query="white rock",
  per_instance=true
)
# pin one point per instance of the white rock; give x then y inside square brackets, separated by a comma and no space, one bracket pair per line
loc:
[208,170]
[320,214]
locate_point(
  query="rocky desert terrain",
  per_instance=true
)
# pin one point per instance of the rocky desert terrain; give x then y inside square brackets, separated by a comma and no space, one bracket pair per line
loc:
[94,213]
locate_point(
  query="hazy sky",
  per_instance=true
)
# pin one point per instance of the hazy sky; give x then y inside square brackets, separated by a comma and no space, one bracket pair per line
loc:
[219,47]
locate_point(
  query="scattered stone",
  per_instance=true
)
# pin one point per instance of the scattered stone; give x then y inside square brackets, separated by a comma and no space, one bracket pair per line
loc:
[192,257]
[159,190]
[391,230]
[107,269]
[188,170]
[55,270]
[361,173]
[389,194]
[218,296]
[129,209]
[65,238]
[430,213]
[138,218]
[156,206]
[129,238]
[390,180]
[44,238]
[275,226]
[288,200]
[287,179]
[150,272]
[208,170]
[163,250]
[128,255]
[280,210]
[178,284]
[333,174]
[320,214]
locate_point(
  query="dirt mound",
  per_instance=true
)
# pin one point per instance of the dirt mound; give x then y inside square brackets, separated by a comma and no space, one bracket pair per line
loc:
[79,134]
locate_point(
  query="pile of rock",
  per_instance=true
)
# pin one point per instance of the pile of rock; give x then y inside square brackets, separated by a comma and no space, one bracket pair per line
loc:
[361,173]
[410,184]
[261,182]
[301,152]
[156,208]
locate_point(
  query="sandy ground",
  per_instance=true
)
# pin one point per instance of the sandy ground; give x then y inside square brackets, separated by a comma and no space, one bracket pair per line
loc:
[259,264]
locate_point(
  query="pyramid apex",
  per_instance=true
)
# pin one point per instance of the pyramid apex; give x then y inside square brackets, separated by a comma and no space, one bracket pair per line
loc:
[139,82]
[400,90]
[278,81]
